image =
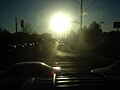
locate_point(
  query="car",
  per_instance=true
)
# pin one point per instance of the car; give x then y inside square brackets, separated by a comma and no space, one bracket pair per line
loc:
[22,72]
[113,68]
[111,73]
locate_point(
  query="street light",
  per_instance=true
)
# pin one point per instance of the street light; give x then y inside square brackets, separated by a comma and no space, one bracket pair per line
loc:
[100,23]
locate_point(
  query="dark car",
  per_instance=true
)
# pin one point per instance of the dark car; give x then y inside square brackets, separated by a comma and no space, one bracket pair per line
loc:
[24,72]
[111,73]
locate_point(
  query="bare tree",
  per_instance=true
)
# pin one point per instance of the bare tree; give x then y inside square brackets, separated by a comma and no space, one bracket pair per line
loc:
[27,28]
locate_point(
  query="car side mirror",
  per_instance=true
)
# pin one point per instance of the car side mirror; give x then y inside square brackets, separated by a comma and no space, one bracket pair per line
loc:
[57,69]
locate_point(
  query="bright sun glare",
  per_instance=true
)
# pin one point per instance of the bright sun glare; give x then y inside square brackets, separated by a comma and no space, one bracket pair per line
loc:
[60,22]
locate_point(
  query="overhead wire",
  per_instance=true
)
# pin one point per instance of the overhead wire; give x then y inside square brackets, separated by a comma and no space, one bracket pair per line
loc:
[91,5]
[77,2]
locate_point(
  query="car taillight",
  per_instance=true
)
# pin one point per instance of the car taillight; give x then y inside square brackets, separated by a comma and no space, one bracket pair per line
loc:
[52,73]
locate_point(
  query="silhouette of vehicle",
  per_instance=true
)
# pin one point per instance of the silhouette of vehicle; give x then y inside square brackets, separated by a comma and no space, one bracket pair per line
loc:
[22,72]
[111,73]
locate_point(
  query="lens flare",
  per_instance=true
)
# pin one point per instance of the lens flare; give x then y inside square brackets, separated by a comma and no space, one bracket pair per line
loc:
[60,22]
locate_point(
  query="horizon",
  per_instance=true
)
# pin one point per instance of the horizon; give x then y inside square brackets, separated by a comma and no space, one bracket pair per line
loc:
[39,13]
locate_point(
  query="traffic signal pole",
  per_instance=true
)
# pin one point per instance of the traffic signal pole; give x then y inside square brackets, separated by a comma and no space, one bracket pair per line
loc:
[16,24]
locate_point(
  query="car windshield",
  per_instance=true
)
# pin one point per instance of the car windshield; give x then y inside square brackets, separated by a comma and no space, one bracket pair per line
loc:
[72,40]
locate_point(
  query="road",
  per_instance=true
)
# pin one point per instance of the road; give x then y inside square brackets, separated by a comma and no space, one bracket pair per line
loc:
[71,62]
[75,73]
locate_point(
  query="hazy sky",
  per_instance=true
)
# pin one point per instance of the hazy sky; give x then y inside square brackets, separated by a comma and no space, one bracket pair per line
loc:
[39,12]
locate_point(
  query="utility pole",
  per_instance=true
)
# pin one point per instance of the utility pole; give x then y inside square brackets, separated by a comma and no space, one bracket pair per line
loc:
[81,14]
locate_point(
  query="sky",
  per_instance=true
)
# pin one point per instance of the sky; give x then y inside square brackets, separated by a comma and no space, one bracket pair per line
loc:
[38,13]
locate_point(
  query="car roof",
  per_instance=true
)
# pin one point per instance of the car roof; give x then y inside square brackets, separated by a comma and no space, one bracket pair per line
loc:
[32,63]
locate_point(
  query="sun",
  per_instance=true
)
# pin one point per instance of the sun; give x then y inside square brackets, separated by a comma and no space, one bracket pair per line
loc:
[60,22]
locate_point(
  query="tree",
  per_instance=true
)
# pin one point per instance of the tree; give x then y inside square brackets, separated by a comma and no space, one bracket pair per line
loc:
[71,39]
[93,32]
[27,28]
[95,28]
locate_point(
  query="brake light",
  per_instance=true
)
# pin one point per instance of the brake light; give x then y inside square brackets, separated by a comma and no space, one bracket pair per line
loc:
[52,73]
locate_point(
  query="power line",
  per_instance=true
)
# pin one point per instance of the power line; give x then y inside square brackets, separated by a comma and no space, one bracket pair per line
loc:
[81,9]
[77,2]
[91,5]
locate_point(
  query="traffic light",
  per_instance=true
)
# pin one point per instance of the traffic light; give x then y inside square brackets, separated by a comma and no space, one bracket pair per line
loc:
[22,23]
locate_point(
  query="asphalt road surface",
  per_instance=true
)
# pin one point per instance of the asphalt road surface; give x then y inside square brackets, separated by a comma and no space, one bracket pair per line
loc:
[75,73]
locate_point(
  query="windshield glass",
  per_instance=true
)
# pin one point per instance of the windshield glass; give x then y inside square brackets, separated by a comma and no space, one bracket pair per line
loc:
[75,36]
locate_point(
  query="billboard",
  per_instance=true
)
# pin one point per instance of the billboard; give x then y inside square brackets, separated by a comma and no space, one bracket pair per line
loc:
[116,24]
